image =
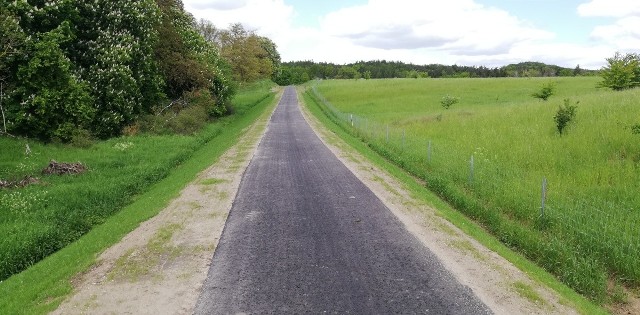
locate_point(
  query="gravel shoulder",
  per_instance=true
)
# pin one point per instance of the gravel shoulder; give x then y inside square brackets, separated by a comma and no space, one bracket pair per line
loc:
[504,288]
[305,235]
[160,267]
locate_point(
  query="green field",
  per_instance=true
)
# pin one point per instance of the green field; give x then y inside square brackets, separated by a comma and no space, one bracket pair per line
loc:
[588,235]
[38,220]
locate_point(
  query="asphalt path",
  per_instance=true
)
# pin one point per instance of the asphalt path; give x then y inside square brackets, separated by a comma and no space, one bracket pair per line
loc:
[304,235]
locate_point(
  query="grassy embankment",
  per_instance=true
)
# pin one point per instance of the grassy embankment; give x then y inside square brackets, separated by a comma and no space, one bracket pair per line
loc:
[130,179]
[588,234]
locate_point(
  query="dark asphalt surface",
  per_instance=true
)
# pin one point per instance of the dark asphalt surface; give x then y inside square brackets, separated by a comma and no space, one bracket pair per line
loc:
[304,235]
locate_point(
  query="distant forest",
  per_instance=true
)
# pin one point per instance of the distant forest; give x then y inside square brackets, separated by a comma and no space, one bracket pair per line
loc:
[298,72]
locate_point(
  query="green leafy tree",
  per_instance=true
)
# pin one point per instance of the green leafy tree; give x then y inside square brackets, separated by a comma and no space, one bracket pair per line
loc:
[566,73]
[11,45]
[108,46]
[348,72]
[189,58]
[577,71]
[11,40]
[621,72]
[104,59]
[565,115]
[180,68]
[114,52]
[246,54]
[54,102]
[209,31]
[272,53]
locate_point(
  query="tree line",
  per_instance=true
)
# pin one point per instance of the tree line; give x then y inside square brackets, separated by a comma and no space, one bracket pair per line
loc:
[97,67]
[297,72]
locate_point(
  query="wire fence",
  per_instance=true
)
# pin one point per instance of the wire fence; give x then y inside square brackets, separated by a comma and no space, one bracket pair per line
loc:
[612,236]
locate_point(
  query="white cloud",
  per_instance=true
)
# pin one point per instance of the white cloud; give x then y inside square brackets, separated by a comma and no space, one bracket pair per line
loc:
[217,4]
[461,26]
[268,17]
[609,8]
[624,34]
[417,31]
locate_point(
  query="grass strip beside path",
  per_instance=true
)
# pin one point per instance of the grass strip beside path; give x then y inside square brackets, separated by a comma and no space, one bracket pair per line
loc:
[41,288]
[465,224]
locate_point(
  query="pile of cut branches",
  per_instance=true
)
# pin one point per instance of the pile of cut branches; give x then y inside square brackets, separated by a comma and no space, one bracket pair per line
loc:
[26,181]
[61,168]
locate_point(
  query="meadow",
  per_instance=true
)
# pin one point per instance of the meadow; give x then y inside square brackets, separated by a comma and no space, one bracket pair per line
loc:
[488,155]
[40,219]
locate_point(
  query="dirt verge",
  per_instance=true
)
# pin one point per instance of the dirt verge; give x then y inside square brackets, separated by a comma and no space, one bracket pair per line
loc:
[504,288]
[160,267]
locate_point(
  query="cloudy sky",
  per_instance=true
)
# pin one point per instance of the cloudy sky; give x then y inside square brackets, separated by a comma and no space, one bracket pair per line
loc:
[463,32]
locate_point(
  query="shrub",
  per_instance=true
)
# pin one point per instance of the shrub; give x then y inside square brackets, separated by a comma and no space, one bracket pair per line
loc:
[81,138]
[50,101]
[131,130]
[188,121]
[621,72]
[635,129]
[448,100]
[565,115]
[152,124]
[545,91]
[203,98]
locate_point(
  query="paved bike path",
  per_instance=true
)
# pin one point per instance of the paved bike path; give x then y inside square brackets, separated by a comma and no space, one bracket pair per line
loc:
[304,235]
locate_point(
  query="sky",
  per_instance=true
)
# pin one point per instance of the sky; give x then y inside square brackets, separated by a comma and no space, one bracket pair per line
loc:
[488,33]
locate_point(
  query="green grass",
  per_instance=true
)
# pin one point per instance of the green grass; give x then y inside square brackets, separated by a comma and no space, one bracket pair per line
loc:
[122,189]
[471,228]
[136,264]
[212,181]
[512,136]
[528,293]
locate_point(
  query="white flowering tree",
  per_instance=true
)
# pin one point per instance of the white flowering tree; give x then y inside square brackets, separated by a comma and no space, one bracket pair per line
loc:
[100,65]
[87,65]
[114,51]
[11,43]
[48,100]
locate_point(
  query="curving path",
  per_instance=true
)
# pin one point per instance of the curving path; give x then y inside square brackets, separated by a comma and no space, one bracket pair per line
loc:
[304,235]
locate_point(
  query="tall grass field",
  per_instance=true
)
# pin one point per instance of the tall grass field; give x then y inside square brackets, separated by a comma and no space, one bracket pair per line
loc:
[40,219]
[489,154]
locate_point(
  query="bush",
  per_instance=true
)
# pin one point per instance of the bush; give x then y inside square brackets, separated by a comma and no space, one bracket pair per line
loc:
[49,101]
[545,91]
[188,121]
[152,124]
[448,100]
[635,129]
[622,72]
[203,98]
[565,115]
[81,138]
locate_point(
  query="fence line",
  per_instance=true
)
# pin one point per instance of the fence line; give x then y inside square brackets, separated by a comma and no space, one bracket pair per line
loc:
[595,226]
